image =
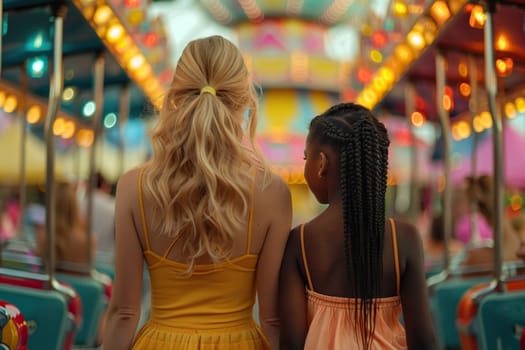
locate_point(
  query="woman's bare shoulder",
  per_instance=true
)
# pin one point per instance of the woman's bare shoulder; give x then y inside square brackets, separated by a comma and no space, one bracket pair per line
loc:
[272,185]
[128,183]
[130,177]
[273,202]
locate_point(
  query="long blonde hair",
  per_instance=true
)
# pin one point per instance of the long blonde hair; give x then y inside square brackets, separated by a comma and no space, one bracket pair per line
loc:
[201,168]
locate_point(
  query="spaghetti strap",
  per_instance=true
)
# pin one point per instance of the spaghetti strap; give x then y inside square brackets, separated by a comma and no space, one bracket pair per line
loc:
[170,247]
[142,214]
[250,220]
[308,277]
[396,254]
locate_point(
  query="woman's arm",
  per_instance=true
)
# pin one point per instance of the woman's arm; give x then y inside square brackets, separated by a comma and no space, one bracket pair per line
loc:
[414,297]
[267,276]
[292,296]
[124,307]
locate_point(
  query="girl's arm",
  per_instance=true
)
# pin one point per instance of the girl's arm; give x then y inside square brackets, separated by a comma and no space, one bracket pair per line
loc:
[124,307]
[414,298]
[292,296]
[267,276]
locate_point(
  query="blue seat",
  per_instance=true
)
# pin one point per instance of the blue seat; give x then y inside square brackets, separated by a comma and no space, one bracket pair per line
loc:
[499,317]
[106,268]
[444,301]
[93,294]
[48,313]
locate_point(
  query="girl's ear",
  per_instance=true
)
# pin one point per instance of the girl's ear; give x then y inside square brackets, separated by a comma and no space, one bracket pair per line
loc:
[323,165]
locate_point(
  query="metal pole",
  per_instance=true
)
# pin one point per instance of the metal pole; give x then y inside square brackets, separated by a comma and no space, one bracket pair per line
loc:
[98,87]
[410,107]
[1,31]
[447,149]
[473,108]
[23,152]
[55,92]
[492,91]
[123,117]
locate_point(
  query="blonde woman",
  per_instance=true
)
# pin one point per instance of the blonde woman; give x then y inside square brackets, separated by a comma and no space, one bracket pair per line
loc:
[205,213]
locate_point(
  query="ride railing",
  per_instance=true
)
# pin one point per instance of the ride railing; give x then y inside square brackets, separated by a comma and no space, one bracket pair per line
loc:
[446,296]
[52,314]
[94,291]
[492,315]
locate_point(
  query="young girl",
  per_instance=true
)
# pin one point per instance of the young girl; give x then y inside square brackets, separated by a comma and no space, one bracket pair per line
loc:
[349,273]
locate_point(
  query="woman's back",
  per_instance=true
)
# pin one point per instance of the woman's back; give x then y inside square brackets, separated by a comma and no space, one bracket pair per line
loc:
[198,192]
[262,219]
[217,297]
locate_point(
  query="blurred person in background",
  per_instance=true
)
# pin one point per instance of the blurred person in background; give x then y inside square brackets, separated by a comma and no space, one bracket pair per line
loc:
[481,191]
[103,218]
[71,235]
[9,218]
[519,225]
[434,244]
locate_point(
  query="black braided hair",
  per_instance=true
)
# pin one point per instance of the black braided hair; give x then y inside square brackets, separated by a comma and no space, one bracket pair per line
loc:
[361,141]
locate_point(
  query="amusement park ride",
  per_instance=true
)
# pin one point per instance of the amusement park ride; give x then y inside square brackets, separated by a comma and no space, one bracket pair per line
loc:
[81,81]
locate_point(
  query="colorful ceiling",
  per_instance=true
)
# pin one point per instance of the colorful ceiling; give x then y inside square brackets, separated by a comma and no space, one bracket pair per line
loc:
[324,11]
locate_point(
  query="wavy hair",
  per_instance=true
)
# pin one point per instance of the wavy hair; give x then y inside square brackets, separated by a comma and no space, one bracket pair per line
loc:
[361,142]
[204,152]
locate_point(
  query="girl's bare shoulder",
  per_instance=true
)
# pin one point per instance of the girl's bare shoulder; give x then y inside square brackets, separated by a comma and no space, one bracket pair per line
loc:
[409,239]
[407,231]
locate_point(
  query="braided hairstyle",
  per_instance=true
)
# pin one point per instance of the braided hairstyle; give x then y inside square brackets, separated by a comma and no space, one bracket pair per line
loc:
[361,142]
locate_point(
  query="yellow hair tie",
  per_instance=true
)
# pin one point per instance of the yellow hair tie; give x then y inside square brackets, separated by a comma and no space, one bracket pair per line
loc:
[208,89]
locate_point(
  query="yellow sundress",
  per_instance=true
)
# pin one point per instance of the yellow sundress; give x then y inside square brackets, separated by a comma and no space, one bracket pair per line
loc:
[211,309]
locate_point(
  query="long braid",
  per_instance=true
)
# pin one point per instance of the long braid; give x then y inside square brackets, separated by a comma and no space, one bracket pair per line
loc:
[362,143]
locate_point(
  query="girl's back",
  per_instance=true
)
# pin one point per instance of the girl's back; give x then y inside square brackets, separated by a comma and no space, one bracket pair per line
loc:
[354,271]
[324,242]
[331,297]
[331,300]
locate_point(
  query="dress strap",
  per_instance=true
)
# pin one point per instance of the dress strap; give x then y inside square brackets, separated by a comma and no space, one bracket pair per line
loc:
[250,219]
[170,247]
[308,277]
[396,254]
[142,215]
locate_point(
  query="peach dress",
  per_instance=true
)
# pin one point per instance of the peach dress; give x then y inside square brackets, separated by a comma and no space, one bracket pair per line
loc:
[330,318]
[211,309]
